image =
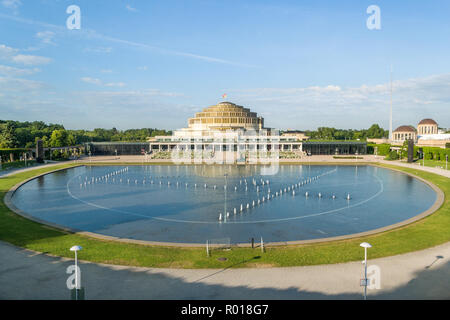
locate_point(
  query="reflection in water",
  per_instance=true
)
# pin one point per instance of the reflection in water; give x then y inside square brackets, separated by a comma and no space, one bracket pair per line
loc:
[409,183]
[231,170]
[40,181]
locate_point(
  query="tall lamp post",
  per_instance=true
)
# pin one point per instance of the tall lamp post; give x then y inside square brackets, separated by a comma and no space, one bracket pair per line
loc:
[76,249]
[365,245]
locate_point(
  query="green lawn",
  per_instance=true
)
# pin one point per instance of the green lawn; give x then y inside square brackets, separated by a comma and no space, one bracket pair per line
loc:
[434,163]
[431,231]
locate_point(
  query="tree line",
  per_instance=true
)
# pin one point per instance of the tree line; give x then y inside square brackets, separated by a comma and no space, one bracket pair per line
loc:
[326,133]
[16,134]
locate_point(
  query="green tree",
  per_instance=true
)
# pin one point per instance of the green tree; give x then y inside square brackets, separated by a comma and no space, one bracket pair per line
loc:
[404,150]
[393,155]
[71,141]
[8,138]
[376,132]
[58,138]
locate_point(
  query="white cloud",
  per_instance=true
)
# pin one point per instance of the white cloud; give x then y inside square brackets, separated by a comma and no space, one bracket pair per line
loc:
[92,34]
[7,52]
[435,88]
[11,4]
[115,84]
[19,85]
[46,37]
[126,99]
[30,60]
[14,72]
[98,49]
[151,106]
[11,55]
[92,80]
[130,8]
[99,82]
[314,106]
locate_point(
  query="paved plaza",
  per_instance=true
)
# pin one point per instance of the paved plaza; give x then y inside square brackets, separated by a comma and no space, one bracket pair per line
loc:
[418,275]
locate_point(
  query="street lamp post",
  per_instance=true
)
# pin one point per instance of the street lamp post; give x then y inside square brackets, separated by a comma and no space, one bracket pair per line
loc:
[365,245]
[76,249]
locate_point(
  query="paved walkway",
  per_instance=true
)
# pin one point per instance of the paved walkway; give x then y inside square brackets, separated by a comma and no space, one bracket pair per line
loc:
[322,158]
[417,275]
[439,171]
[19,170]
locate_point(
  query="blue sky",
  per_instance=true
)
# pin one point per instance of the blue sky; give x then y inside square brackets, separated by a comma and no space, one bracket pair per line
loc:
[299,64]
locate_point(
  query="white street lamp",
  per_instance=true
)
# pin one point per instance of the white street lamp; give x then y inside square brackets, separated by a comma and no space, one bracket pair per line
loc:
[365,245]
[76,249]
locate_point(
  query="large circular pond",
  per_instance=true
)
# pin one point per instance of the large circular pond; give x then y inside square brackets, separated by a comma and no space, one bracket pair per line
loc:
[190,204]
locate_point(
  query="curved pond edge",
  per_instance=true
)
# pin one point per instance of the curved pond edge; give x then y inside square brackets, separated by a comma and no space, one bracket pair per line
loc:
[440,198]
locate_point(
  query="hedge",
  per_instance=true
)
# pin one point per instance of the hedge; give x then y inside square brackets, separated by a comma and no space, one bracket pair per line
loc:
[17,153]
[435,153]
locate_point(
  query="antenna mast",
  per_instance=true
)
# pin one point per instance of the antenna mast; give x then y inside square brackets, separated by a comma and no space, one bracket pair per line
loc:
[390,115]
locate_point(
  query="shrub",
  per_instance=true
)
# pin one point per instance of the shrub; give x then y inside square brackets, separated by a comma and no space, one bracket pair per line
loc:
[16,152]
[428,156]
[383,149]
[393,155]
[56,155]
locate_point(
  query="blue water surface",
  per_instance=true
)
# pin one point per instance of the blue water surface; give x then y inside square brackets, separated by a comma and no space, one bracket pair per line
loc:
[172,204]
